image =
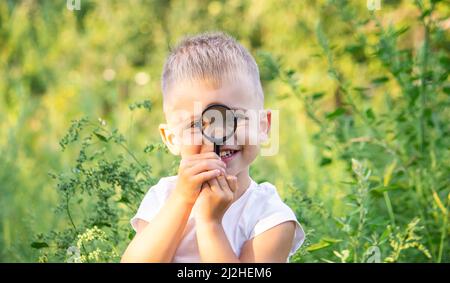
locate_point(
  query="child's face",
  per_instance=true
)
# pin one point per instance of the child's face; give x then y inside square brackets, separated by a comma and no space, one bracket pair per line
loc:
[185,103]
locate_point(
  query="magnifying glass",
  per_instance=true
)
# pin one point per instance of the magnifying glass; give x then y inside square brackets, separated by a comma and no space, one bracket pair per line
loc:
[218,124]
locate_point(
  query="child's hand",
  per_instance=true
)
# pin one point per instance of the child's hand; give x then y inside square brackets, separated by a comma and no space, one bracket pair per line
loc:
[215,198]
[196,170]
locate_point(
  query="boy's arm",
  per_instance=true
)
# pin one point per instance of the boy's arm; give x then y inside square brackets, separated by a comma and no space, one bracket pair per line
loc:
[272,245]
[158,240]
[213,244]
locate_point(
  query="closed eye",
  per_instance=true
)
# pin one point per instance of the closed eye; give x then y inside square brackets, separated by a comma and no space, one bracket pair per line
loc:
[195,124]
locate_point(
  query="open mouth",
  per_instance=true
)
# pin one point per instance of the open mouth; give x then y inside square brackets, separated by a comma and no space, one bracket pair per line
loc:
[228,154]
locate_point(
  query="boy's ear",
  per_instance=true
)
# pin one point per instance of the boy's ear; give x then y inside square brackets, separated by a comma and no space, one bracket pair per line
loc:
[169,139]
[264,125]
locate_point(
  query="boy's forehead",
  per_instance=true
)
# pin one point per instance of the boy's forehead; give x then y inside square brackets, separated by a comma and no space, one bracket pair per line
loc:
[188,99]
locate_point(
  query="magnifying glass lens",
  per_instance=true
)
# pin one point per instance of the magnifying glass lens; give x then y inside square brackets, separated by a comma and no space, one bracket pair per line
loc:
[218,123]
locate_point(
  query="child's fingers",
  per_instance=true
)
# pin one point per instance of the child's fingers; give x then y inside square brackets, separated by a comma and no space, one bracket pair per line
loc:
[232,183]
[214,185]
[223,183]
[228,193]
[205,155]
[191,161]
[207,175]
[205,185]
[206,165]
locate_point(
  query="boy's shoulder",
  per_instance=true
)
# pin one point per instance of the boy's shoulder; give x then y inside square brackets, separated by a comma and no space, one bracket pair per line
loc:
[266,195]
[267,209]
[164,185]
[162,188]
[167,181]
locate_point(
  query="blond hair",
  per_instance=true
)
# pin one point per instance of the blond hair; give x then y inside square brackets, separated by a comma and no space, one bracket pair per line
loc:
[213,57]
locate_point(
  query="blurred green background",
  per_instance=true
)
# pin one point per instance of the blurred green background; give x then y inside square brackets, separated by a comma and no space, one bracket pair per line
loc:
[351,83]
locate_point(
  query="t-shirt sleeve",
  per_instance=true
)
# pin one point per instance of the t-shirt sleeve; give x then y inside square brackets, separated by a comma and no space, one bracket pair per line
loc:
[151,204]
[275,212]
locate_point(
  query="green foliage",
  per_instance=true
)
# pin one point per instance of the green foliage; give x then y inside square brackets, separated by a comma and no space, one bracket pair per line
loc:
[97,195]
[405,142]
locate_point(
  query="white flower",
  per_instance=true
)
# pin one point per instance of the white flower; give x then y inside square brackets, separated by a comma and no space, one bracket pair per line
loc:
[142,78]
[73,255]
[109,74]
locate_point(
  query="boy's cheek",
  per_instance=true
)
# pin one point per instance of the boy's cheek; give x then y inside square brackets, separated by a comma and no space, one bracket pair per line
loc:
[188,150]
[190,138]
[246,136]
[249,154]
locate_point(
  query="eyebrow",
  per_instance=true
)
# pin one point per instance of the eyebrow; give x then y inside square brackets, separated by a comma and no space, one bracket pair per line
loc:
[231,108]
[238,108]
[194,117]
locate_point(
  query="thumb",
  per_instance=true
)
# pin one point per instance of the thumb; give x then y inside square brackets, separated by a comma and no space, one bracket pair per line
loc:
[232,183]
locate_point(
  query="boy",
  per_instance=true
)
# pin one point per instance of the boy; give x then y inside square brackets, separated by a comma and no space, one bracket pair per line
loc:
[212,211]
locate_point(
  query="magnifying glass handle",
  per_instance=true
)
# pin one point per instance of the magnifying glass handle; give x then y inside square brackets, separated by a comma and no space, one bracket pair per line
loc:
[217,149]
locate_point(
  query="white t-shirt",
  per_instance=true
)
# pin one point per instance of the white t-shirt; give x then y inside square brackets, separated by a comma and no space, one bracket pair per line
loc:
[258,209]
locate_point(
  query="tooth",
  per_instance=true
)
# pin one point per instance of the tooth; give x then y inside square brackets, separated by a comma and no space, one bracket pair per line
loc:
[226,153]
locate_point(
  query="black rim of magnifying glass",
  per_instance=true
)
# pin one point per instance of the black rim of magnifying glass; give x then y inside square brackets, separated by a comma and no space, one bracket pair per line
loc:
[217,146]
